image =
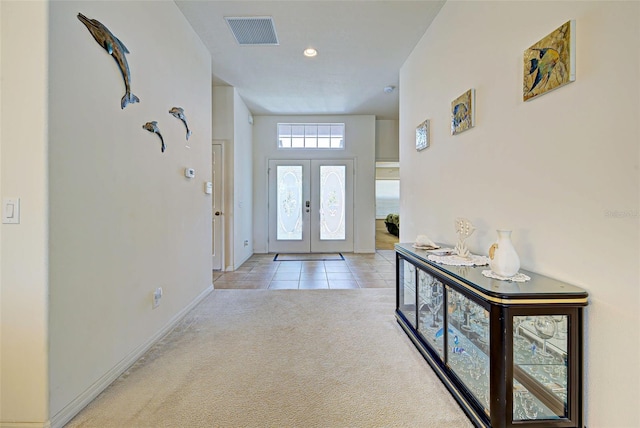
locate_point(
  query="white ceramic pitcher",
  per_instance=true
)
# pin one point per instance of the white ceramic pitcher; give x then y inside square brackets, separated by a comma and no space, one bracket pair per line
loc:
[503,259]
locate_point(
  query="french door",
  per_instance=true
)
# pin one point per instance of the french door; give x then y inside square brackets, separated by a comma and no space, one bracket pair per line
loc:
[310,206]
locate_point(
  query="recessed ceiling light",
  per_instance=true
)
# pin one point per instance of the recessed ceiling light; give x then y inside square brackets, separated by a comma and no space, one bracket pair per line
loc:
[310,52]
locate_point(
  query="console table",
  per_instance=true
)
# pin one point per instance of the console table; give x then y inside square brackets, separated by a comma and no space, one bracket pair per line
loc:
[510,353]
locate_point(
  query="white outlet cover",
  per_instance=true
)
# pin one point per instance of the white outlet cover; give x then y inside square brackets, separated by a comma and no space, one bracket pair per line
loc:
[157,296]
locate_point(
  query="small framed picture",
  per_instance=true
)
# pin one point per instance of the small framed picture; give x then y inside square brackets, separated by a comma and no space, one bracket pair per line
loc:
[463,111]
[422,135]
[551,62]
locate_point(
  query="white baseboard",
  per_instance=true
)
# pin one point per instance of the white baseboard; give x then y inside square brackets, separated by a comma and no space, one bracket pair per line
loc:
[240,263]
[75,406]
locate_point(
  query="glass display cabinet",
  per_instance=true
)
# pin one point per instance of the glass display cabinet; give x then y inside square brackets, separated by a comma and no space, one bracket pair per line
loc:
[510,353]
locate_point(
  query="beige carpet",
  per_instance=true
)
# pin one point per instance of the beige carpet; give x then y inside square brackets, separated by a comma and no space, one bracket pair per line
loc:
[281,358]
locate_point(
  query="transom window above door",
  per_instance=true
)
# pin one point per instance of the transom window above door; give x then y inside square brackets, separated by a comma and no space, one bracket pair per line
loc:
[311,136]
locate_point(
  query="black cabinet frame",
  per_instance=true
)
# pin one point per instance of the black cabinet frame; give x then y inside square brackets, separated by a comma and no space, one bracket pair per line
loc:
[541,296]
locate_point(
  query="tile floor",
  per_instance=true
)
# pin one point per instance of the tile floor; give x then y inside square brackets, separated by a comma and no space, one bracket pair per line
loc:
[356,271]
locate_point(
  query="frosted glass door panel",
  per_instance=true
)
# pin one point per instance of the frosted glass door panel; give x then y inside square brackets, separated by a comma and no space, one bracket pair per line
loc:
[289,202]
[331,205]
[310,206]
[289,213]
[332,202]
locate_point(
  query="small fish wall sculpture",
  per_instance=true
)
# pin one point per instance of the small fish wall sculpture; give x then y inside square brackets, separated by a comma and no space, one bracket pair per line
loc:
[116,49]
[178,112]
[153,127]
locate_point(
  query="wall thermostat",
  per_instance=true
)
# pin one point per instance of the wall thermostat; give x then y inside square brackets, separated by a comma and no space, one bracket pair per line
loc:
[189,172]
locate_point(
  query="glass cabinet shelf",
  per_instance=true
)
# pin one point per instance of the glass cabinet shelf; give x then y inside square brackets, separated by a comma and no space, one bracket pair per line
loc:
[510,353]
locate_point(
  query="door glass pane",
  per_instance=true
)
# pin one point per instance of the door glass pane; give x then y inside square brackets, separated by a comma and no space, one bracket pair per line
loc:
[289,208]
[284,134]
[297,136]
[311,136]
[332,202]
[540,367]
[324,136]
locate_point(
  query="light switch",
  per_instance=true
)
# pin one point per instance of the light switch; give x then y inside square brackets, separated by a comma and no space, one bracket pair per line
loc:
[11,211]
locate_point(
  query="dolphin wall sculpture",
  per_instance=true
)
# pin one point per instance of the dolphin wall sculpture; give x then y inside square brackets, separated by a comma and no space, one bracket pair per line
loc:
[178,112]
[116,49]
[153,128]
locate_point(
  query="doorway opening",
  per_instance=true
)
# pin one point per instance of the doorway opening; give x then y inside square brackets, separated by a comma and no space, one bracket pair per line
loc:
[387,202]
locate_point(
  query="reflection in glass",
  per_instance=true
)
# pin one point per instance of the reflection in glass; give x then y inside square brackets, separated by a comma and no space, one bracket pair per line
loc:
[468,338]
[540,365]
[407,292]
[431,311]
[546,329]
[289,202]
[332,202]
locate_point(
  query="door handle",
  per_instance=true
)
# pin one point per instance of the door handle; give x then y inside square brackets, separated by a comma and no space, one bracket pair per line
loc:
[217,213]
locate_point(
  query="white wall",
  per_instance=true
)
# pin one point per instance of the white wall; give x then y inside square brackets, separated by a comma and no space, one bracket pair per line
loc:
[560,170]
[243,182]
[23,174]
[387,143]
[123,217]
[359,145]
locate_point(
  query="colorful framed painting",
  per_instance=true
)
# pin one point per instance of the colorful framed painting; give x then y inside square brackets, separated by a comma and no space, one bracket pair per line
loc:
[551,62]
[422,135]
[463,112]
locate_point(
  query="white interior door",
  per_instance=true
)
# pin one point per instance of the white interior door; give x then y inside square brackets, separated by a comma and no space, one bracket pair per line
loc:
[310,206]
[216,201]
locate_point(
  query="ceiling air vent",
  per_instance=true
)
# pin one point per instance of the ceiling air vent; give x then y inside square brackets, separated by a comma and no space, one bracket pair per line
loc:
[258,30]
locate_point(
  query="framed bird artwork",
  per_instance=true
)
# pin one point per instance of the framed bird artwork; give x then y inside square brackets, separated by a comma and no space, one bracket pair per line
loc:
[550,63]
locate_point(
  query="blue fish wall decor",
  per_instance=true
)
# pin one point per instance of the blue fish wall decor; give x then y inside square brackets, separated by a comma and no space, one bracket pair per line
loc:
[116,49]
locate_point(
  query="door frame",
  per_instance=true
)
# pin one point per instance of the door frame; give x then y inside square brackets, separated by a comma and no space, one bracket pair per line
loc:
[311,192]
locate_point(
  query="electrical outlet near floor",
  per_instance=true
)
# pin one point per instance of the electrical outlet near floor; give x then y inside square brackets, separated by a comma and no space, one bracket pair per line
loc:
[157,295]
[246,243]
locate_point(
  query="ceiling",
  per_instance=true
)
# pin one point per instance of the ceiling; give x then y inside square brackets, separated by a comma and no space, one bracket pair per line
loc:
[361,47]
